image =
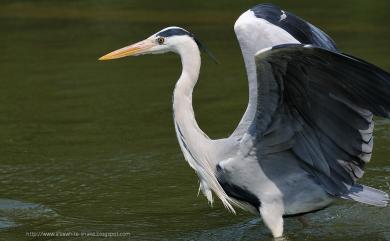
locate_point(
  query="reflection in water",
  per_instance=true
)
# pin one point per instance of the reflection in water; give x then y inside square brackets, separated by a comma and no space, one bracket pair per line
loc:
[282,239]
[14,213]
[334,223]
[6,223]
[95,145]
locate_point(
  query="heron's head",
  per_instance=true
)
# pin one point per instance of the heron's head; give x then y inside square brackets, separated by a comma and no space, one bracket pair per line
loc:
[170,39]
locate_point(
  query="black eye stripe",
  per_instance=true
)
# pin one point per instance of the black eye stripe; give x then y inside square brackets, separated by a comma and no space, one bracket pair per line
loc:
[180,32]
[173,32]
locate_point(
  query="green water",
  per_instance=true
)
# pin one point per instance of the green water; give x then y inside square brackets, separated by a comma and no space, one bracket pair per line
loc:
[87,146]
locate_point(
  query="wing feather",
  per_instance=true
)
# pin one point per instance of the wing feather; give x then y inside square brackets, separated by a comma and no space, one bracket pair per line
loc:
[264,26]
[318,104]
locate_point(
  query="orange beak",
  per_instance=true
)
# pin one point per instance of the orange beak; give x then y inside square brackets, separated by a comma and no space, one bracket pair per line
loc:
[131,50]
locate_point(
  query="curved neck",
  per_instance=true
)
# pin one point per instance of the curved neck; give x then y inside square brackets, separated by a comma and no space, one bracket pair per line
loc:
[190,136]
[196,146]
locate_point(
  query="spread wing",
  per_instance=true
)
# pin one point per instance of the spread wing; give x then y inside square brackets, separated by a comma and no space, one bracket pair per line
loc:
[318,104]
[263,26]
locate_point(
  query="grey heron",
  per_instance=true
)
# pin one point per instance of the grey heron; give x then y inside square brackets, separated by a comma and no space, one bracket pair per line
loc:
[306,134]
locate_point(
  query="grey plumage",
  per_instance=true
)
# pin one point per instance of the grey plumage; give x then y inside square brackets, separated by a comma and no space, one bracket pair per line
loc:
[305,98]
[311,135]
[299,29]
[303,31]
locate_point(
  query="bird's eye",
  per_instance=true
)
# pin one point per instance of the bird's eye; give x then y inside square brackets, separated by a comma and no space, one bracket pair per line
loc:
[160,40]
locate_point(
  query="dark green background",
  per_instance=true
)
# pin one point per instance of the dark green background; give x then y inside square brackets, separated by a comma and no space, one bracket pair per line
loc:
[87,146]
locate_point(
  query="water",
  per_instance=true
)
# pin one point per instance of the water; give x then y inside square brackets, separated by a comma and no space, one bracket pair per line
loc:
[90,147]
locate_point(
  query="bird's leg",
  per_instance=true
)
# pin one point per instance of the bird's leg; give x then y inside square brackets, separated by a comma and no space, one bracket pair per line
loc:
[303,220]
[272,215]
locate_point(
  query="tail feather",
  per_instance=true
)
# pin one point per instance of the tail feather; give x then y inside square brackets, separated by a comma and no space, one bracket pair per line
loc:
[367,195]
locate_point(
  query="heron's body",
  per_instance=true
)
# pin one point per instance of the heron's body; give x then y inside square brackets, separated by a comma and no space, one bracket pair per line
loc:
[307,131]
[211,158]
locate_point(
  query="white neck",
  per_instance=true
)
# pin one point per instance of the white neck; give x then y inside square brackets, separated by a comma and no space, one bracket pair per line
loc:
[188,129]
[197,147]
[194,144]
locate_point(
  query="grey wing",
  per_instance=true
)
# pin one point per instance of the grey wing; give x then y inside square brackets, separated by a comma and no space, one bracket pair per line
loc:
[317,105]
[263,26]
[303,31]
